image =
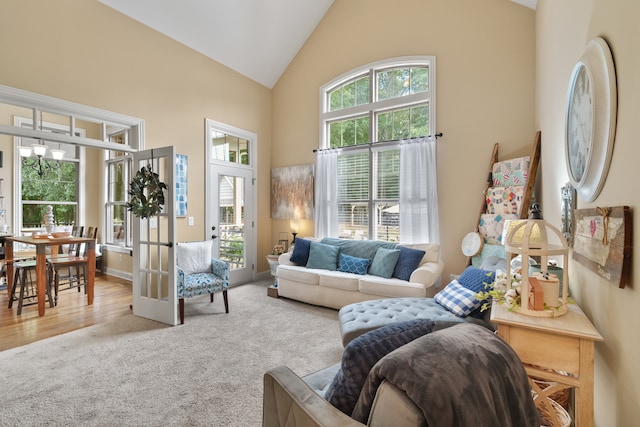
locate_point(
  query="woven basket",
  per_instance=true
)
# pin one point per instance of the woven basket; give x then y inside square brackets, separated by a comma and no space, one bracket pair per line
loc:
[552,414]
[561,396]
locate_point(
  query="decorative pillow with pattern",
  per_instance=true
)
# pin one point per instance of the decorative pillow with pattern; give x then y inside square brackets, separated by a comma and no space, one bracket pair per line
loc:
[351,264]
[363,352]
[457,299]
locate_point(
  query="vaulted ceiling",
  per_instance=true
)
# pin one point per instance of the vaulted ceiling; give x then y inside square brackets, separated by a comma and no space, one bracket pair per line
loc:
[256,38]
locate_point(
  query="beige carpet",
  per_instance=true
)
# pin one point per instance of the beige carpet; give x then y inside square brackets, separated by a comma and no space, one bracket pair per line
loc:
[136,372]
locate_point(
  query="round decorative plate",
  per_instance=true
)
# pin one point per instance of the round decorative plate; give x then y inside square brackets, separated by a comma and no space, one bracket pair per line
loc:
[472,244]
[590,119]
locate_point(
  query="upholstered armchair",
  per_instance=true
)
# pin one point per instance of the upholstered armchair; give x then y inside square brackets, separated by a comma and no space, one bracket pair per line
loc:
[463,375]
[199,273]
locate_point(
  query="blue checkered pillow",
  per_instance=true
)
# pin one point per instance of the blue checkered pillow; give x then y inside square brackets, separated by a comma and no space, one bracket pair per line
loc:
[351,264]
[457,299]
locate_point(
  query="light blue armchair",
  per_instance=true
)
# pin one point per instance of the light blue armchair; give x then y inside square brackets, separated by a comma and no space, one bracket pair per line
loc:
[197,276]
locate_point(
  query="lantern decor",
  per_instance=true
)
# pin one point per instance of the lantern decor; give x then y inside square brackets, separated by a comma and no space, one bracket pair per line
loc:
[534,237]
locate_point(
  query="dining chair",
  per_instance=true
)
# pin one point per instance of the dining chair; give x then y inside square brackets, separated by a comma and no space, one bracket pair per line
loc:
[71,269]
[23,278]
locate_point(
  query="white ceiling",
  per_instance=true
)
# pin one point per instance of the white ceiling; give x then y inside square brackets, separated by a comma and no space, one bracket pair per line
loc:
[256,38]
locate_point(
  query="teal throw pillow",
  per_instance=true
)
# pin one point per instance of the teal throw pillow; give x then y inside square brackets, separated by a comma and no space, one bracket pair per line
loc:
[384,262]
[408,261]
[351,264]
[323,256]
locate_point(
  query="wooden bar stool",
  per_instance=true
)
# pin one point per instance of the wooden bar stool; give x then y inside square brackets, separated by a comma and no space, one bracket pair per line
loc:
[22,277]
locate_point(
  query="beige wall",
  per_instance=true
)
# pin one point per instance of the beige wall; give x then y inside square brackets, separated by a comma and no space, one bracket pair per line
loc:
[85,52]
[563,28]
[485,52]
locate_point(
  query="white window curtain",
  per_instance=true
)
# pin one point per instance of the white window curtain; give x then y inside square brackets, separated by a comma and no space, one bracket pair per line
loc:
[326,208]
[419,222]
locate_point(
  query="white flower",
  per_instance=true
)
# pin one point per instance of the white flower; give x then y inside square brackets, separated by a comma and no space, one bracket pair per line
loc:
[511,296]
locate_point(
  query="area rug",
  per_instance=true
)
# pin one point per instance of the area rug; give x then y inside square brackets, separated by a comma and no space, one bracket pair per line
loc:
[137,372]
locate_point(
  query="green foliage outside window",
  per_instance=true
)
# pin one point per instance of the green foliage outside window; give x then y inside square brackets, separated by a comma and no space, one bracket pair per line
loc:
[57,187]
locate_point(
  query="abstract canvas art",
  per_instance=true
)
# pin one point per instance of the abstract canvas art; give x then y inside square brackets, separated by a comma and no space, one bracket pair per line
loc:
[292,192]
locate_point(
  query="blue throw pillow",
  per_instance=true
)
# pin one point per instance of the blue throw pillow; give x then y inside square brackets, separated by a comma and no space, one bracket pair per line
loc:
[351,264]
[408,261]
[323,256]
[363,352]
[457,299]
[474,278]
[300,254]
[384,262]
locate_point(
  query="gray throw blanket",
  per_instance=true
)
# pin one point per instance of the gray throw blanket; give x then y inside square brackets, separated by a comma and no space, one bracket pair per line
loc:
[459,376]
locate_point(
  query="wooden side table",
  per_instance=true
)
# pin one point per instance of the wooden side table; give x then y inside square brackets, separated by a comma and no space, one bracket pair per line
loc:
[272,291]
[558,350]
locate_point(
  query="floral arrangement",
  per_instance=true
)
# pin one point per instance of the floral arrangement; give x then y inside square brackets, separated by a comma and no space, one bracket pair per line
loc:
[277,250]
[499,292]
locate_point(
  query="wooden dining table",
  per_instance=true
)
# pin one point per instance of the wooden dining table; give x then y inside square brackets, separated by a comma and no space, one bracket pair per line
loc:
[41,244]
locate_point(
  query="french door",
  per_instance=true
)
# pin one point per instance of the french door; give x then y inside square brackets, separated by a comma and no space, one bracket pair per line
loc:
[231,222]
[154,275]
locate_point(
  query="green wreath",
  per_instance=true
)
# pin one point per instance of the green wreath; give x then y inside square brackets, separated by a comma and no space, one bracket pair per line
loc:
[147,195]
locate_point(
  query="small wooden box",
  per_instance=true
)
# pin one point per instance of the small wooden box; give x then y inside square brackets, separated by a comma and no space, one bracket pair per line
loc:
[272,291]
[536,298]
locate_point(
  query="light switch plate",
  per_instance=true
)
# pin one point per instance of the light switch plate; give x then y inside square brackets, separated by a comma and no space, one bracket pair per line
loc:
[190,221]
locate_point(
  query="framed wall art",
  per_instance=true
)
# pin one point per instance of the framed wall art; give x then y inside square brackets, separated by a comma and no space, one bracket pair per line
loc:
[181,185]
[590,120]
[602,242]
[292,192]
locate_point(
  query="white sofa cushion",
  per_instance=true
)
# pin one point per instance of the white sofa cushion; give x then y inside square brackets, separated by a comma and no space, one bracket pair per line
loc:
[339,280]
[304,275]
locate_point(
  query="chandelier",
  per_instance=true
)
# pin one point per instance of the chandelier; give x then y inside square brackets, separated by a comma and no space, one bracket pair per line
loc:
[39,162]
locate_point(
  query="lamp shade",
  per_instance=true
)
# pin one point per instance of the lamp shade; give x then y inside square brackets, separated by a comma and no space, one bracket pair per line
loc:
[24,151]
[57,154]
[39,149]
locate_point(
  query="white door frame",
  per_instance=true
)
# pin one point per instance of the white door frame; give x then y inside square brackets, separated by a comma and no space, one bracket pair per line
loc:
[211,205]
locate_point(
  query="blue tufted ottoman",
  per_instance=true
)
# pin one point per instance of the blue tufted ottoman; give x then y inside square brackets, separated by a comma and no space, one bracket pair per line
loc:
[361,317]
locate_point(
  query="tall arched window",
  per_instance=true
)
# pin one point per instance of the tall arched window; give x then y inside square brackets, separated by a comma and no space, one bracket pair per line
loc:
[366,115]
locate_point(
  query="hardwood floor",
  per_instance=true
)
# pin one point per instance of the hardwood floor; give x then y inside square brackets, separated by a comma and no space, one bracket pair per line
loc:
[111,300]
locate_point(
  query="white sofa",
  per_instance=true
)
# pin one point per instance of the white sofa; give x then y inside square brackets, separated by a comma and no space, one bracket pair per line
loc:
[336,289]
